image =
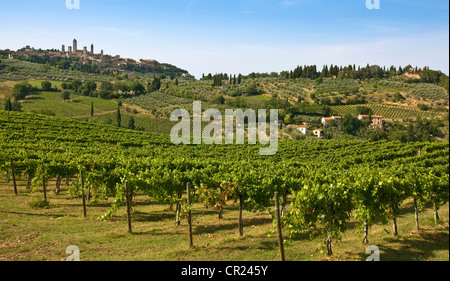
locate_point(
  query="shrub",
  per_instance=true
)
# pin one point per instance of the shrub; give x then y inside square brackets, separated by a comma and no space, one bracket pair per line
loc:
[21,90]
[423,107]
[46,86]
[39,203]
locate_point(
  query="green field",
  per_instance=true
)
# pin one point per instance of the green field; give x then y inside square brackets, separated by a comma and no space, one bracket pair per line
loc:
[78,105]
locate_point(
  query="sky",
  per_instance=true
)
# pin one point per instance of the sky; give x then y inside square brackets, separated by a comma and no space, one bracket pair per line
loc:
[231,36]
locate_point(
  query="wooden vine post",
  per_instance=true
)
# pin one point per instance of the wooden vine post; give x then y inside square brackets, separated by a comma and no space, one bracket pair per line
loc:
[189,214]
[82,193]
[280,235]
[416,207]
[127,195]
[13,175]
[43,182]
[240,223]
[178,209]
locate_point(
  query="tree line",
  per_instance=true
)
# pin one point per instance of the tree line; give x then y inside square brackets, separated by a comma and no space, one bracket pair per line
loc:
[340,72]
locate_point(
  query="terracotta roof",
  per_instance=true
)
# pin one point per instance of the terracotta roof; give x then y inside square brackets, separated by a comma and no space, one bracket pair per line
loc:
[373,116]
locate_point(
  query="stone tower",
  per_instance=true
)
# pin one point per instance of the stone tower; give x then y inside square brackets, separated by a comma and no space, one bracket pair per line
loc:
[92,49]
[63,49]
[75,45]
[85,52]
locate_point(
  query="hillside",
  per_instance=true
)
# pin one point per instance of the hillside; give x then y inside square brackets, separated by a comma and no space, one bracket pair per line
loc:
[149,100]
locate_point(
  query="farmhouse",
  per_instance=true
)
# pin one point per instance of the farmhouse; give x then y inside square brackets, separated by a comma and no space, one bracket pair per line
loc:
[327,120]
[412,75]
[302,128]
[377,120]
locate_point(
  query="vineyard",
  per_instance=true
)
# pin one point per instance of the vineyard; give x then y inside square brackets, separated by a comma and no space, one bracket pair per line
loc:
[162,104]
[387,111]
[322,184]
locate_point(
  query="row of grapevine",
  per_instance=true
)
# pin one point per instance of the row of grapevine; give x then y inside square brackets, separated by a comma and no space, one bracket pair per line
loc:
[330,181]
[387,111]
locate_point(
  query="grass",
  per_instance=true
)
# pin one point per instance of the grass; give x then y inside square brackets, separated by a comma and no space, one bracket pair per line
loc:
[78,105]
[52,101]
[39,203]
[28,234]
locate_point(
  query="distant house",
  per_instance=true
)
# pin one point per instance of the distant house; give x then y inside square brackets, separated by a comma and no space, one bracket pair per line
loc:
[318,133]
[377,120]
[337,119]
[327,120]
[302,128]
[413,75]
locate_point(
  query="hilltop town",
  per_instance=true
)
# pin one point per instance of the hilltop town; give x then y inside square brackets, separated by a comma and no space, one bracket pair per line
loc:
[101,60]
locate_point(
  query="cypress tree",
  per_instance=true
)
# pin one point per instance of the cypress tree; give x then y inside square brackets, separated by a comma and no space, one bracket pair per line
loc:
[119,118]
[8,106]
[131,123]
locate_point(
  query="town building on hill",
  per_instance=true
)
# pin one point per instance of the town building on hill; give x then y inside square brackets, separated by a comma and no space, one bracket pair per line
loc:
[75,43]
